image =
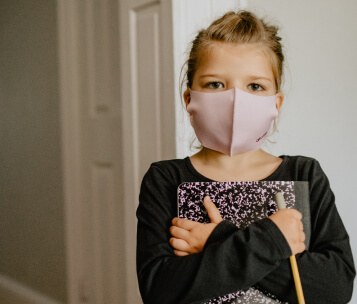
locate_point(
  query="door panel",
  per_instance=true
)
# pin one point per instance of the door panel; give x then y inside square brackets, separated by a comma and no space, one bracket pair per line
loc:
[147,84]
[92,153]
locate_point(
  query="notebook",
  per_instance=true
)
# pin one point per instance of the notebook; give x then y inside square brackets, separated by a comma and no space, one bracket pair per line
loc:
[243,203]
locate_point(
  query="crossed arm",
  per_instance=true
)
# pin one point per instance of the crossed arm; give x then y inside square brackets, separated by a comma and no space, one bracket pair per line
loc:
[190,237]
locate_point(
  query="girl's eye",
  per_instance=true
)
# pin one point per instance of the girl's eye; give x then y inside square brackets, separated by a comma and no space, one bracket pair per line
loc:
[215,85]
[255,87]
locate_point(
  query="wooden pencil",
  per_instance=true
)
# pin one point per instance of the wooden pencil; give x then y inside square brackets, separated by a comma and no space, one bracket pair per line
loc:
[279,198]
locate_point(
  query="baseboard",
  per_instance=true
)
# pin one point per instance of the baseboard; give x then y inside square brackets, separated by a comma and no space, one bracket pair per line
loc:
[13,292]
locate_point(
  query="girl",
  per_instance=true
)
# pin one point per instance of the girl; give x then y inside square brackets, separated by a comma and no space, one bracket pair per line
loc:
[179,261]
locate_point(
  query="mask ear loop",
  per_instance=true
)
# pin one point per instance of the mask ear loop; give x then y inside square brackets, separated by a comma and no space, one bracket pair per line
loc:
[276,120]
[187,97]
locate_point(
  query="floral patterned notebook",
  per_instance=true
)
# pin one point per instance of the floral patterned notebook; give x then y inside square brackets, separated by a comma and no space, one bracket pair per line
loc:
[243,203]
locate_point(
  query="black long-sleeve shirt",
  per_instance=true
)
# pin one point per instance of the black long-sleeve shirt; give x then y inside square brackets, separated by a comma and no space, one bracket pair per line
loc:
[236,259]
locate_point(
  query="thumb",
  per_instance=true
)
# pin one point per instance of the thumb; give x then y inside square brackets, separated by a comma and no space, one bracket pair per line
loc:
[213,212]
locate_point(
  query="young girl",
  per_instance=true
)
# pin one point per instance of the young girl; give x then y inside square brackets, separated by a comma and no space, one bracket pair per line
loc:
[238,57]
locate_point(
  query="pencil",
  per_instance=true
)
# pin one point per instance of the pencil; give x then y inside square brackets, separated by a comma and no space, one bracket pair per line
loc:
[279,198]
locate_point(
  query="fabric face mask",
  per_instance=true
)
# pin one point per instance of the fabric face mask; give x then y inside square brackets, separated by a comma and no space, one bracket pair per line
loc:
[231,121]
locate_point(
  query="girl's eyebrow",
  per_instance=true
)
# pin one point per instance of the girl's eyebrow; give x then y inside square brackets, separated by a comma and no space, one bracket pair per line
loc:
[258,77]
[210,75]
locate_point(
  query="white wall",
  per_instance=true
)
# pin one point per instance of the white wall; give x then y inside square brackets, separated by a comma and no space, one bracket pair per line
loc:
[319,114]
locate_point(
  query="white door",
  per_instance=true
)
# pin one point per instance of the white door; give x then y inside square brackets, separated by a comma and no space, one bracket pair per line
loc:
[147,104]
[117,110]
[91,121]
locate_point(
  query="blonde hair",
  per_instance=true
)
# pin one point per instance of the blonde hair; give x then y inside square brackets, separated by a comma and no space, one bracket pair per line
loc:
[237,27]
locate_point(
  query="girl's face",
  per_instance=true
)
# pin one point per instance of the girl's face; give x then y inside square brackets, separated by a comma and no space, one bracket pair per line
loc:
[225,66]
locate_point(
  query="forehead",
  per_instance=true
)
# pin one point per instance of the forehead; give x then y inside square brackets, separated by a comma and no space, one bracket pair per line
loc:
[235,58]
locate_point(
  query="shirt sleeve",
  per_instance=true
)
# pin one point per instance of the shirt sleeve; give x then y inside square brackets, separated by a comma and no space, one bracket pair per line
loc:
[232,259]
[326,268]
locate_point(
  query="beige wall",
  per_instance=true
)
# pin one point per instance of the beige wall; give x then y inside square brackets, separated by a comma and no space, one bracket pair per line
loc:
[32,250]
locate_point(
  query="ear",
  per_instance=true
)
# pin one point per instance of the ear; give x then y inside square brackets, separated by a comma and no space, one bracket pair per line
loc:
[187,97]
[279,101]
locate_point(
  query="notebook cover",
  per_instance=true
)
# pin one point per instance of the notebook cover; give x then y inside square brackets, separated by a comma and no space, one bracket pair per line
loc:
[242,203]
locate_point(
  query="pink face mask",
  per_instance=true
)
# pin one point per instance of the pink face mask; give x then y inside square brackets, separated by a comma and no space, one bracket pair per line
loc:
[231,121]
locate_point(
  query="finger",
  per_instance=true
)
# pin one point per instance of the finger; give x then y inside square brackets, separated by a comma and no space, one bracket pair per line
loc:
[183,223]
[301,248]
[180,253]
[297,214]
[213,212]
[179,233]
[180,245]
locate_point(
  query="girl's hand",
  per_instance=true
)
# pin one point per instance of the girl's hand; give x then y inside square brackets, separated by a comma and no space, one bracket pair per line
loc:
[190,237]
[290,224]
